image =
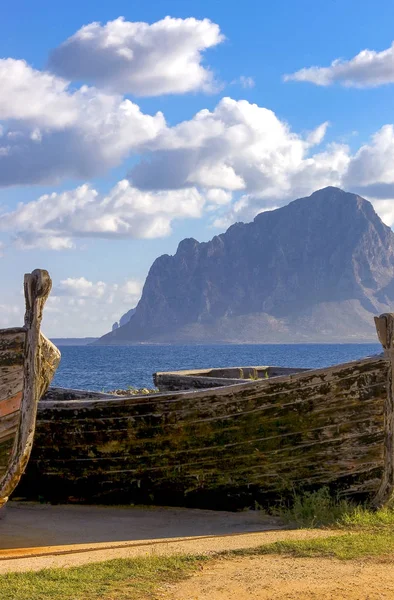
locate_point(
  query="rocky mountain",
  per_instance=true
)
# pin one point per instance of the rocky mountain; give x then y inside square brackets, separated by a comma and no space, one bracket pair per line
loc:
[317,269]
[123,319]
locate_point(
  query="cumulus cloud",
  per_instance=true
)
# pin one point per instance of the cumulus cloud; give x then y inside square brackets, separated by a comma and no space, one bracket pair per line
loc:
[35,96]
[247,153]
[45,146]
[78,306]
[79,287]
[238,152]
[218,197]
[132,289]
[244,209]
[371,172]
[240,147]
[367,69]
[54,219]
[385,209]
[50,130]
[373,163]
[141,59]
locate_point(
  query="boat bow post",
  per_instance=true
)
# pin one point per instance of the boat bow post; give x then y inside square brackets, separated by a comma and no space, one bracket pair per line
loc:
[385,330]
[39,365]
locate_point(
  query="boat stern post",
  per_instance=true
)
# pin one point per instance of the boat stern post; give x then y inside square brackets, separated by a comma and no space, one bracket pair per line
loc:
[385,494]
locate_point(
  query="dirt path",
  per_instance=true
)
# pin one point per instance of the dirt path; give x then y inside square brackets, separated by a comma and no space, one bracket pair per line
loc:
[34,536]
[34,559]
[279,578]
[29,524]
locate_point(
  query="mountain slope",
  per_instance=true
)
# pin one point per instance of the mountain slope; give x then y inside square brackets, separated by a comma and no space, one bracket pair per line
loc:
[315,270]
[123,319]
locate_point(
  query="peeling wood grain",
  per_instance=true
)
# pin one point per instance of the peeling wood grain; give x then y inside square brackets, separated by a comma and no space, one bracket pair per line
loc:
[27,364]
[385,495]
[221,447]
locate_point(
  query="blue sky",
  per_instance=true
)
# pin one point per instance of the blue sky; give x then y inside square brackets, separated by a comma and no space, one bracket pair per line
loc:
[327,127]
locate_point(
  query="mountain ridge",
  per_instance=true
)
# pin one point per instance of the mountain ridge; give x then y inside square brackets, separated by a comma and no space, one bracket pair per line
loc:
[317,269]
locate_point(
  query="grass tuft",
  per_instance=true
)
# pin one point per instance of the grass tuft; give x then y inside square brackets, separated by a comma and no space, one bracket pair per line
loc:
[361,517]
[320,509]
[314,509]
[123,579]
[344,547]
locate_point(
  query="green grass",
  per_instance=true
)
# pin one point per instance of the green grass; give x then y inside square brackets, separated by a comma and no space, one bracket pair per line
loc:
[364,533]
[345,547]
[314,509]
[140,578]
[360,517]
[368,532]
[320,509]
[121,579]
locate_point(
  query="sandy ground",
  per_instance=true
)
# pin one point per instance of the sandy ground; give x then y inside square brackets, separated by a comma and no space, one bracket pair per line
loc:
[279,578]
[29,524]
[34,536]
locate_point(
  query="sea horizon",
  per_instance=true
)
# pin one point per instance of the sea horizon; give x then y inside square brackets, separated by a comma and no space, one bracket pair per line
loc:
[104,368]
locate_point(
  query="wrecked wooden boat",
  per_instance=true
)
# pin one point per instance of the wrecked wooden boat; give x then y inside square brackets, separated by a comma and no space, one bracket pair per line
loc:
[27,364]
[223,438]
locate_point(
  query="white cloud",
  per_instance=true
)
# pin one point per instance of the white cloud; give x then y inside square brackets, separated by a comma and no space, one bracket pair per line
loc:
[80,307]
[201,165]
[35,96]
[245,209]
[50,133]
[367,69]
[11,315]
[218,197]
[54,219]
[31,239]
[240,146]
[385,210]
[244,81]
[374,163]
[132,288]
[239,151]
[135,57]
[80,287]
[316,136]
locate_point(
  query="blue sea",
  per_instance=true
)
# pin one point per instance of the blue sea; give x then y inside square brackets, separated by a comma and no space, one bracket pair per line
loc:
[103,368]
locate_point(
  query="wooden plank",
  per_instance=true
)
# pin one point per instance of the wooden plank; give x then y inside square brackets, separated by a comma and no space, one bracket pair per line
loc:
[9,422]
[12,339]
[10,405]
[311,428]
[11,380]
[9,434]
[5,452]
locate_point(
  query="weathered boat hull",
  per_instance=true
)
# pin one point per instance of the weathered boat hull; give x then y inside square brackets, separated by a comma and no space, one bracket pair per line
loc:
[28,361]
[221,447]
